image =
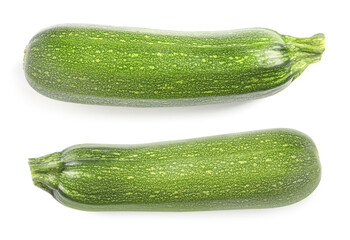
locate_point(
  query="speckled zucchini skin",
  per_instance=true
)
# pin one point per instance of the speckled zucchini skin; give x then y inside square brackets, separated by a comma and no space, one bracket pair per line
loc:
[152,68]
[260,169]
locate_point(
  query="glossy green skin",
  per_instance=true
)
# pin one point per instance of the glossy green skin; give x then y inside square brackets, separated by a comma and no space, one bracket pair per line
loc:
[261,169]
[152,68]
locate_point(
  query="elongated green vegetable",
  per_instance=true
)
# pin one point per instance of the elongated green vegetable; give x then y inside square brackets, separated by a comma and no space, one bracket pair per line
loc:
[261,169]
[144,67]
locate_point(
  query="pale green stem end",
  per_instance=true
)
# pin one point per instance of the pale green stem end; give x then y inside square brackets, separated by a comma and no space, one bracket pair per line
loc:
[45,171]
[304,51]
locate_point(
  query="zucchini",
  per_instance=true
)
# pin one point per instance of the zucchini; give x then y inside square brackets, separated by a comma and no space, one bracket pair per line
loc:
[153,68]
[260,169]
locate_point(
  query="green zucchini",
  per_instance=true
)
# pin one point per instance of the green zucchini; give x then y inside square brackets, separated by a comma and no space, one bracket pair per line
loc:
[260,169]
[144,67]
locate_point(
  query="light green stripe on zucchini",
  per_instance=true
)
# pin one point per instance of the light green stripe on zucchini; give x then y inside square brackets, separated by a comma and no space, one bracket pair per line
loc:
[144,67]
[260,169]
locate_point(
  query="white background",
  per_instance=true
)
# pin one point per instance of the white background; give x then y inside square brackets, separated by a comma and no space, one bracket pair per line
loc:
[317,103]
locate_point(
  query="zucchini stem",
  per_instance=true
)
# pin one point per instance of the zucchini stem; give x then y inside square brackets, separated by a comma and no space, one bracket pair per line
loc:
[45,171]
[304,51]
